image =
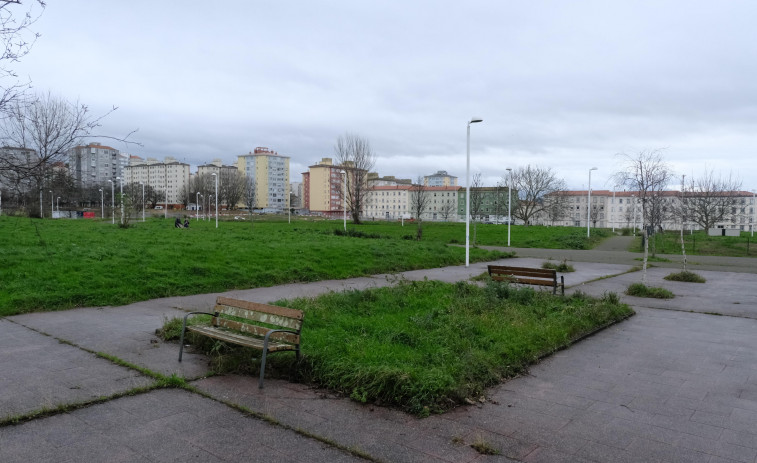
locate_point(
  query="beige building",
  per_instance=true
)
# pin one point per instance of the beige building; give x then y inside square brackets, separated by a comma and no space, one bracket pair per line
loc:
[322,188]
[270,171]
[169,176]
[440,178]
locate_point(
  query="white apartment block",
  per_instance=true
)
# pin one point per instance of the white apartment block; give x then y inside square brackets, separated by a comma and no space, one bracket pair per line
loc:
[622,209]
[395,202]
[169,176]
[94,164]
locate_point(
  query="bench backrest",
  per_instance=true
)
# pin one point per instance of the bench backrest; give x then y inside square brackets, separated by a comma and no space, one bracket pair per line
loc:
[258,319]
[532,276]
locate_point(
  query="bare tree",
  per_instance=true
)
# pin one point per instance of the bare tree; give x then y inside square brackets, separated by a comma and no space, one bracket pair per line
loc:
[419,202]
[647,173]
[556,206]
[710,199]
[533,185]
[17,41]
[476,202]
[231,187]
[448,208]
[355,156]
[249,195]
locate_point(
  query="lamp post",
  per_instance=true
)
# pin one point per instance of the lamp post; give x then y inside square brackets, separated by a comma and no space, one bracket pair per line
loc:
[614,187]
[197,206]
[143,200]
[203,206]
[165,181]
[51,203]
[344,197]
[216,176]
[588,206]
[57,204]
[467,191]
[112,201]
[754,194]
[102,204]
[509,216]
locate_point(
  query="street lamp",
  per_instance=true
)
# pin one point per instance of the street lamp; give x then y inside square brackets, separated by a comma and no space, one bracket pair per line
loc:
[57,204]
[197,206]
[344,197]
[509,216]
[216,176]
[102,203]
[754,194]
[143,200]
[467,191]
[51,203]
[633,199]
[588,206]
[112,202]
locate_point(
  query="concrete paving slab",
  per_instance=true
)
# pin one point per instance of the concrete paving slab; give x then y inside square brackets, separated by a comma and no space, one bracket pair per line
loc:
[39,372]
[160,426]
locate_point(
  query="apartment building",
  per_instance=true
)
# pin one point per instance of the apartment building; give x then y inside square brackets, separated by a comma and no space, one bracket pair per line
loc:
[393,202]
[270,170]
[493,202]
[440,178]
[322,187]
[169,177]
[94,164]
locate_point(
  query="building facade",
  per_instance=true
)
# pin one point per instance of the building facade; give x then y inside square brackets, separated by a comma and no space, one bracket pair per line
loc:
[322,189]
[396,202]
[489,203]
[94,164]
[440,178]
[170,178]
[270,170]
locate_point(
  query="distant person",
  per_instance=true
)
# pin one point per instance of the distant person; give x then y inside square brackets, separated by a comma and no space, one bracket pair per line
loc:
[186,223]
[177,223]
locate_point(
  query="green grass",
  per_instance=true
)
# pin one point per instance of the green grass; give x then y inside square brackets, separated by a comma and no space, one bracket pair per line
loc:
[562,267]
[642,290]
[428,346]
[700,244]
[686,276]
[60,264]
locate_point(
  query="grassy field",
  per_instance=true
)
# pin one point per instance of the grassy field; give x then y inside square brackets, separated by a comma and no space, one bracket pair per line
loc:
[426,346]
[699,244]
[59,264]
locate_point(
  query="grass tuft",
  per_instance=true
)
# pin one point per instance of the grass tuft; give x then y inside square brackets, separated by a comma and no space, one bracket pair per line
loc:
[642,290]
[686,276]
[562,267]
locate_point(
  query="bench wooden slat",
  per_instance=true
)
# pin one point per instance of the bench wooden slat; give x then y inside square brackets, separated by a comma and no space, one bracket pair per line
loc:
[529,276]
[528,281]
[545,272]
[274,309]
[255,330]
[261,314]
[239,339]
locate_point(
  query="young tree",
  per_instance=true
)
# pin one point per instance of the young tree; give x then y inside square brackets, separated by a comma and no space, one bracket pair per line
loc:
[448,208]
[710,198]
[419,201]
[249,195]
[533,185]
[355,156]
[231,187]
[648,174]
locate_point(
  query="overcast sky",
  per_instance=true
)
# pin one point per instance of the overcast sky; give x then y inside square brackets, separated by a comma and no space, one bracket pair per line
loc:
[562,84]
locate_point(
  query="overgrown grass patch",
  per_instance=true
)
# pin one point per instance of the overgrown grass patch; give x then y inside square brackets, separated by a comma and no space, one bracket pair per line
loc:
[562,267]
[686,276]
[428,346]
[642,290]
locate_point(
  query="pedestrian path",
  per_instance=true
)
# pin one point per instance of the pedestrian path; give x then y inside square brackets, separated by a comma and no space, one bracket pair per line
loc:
[665,385]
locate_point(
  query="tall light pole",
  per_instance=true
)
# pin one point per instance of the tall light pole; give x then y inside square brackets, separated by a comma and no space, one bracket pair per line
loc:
[467,191]
[344,198]
[121,200]
[57,204]
[143,200]
[509,215]
[197,206]
[614,187]
[102,204]
[51,203]
[588,206]
[112,202]
[633,200]
[214,174]
[165,179]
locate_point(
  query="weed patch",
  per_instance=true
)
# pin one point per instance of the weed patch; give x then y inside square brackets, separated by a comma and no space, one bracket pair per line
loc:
[686,276]
[642,290]
[562,267]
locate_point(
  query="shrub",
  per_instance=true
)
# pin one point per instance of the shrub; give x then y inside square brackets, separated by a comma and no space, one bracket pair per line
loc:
[686,276]
[642,290]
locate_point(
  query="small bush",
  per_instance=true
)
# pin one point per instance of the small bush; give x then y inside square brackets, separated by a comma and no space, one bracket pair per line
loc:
[686,276]
[352,233]
[642,290]
[562,267]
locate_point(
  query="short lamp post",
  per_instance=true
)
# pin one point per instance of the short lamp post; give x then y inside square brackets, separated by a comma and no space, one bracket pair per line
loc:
[216,176]
[121,200]
[102,204]
[754,209]
[633,200]
[467,191]
[57,204]
[509,212]
[52,210]
[143,200]
[613,207]
[197,206]
[588,206]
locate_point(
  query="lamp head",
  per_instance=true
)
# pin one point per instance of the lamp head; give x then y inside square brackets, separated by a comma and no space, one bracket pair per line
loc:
[593,168]
[475,119]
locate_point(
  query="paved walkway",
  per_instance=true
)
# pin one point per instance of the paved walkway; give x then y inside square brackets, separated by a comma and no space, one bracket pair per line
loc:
[671,384]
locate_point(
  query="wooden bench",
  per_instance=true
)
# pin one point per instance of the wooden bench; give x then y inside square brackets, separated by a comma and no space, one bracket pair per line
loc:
[264,327]
[528,276]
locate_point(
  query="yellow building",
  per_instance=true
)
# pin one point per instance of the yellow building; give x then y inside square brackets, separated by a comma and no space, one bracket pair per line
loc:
[322,188]
[270,171]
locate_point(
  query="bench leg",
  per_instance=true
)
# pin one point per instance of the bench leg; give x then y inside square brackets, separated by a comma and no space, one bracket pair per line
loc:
[262,368]
[181,338]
